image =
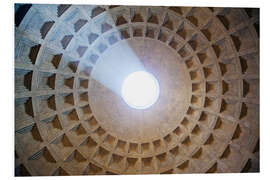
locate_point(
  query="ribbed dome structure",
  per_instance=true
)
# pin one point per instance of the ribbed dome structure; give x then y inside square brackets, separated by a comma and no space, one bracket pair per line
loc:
[205,121]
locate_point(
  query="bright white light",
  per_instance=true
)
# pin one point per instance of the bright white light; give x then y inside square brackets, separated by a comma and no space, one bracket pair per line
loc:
[140,90]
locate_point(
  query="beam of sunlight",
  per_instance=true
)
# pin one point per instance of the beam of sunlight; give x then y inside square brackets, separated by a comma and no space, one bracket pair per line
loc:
[120,70]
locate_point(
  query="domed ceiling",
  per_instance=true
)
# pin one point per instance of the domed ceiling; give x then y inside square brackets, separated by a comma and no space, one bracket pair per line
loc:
[206,119]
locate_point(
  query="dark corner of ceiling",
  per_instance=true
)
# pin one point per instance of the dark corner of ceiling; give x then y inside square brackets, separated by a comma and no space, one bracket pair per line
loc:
[20,12]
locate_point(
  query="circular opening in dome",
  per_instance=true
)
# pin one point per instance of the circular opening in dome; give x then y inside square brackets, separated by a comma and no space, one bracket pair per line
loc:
[140,90]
